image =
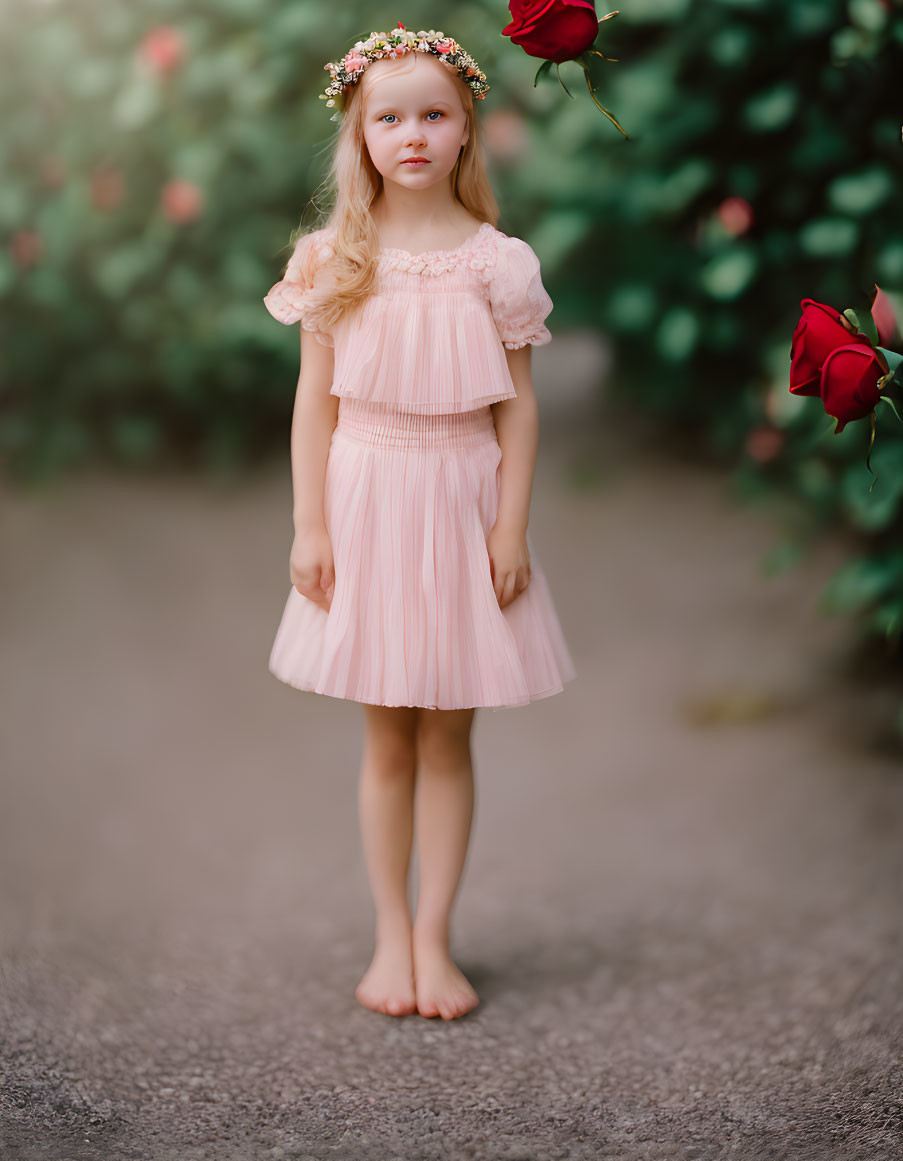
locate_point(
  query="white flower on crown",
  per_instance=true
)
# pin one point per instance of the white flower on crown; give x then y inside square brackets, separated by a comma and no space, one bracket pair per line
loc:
[397,43]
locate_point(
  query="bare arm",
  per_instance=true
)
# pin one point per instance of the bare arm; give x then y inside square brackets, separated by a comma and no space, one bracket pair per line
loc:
[517,428]
[313,421]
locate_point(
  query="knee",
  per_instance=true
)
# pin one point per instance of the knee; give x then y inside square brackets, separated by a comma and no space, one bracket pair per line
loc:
[392,755]
[442,749]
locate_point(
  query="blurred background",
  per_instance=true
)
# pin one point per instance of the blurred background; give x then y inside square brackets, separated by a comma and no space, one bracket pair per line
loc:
[158,155]
[731,589]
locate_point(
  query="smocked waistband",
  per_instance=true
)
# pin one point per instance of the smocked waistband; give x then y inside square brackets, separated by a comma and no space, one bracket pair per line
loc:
[384,425]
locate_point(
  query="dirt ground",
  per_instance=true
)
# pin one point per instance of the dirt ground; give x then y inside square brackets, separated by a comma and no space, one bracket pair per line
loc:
[681,907]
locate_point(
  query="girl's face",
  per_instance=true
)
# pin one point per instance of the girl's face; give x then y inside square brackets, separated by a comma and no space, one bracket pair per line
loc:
[412,108]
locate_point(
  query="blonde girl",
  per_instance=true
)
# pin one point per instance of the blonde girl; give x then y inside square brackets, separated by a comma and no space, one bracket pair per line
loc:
[415,590]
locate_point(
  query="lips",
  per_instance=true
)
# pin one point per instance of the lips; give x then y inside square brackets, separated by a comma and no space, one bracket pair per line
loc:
[415,161]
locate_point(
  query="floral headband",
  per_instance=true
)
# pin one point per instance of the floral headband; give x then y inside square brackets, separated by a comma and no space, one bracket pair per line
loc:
[348,71]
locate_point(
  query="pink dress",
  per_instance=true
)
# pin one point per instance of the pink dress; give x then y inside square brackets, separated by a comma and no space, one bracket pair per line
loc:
[412,486]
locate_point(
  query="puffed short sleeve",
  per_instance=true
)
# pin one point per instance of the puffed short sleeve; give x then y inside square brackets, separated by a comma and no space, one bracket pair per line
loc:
[517,296]
[288,300]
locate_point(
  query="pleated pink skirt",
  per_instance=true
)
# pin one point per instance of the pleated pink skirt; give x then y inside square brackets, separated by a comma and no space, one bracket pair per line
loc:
[409,501]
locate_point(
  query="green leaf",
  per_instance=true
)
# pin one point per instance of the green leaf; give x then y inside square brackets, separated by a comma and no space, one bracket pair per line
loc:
[888,618]
[875,509]
[887,399]
[860,193]
[541,71]
[856,585]
[771,110]
[728,274]
[829,237]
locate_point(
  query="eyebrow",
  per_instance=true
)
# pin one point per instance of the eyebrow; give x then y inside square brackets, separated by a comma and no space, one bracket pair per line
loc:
[388,107]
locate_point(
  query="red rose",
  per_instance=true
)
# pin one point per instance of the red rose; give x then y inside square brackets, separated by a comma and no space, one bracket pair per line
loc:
[849,383]
[557,30]
[829,359]
[818,332]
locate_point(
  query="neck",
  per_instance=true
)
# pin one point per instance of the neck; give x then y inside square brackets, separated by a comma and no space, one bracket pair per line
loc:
[405,209]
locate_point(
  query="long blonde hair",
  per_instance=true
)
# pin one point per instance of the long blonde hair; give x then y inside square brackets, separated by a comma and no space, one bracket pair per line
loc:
[353,185]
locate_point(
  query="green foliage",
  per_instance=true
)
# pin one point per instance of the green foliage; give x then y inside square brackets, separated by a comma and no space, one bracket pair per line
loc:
[785,106]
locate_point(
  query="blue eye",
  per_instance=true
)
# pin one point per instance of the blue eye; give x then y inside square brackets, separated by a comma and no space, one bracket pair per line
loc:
[437,111]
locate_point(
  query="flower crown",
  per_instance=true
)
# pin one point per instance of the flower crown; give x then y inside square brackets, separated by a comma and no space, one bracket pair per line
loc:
[348,71]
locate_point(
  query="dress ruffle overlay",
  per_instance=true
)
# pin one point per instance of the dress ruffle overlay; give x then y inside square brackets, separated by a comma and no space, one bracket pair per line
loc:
[412,486]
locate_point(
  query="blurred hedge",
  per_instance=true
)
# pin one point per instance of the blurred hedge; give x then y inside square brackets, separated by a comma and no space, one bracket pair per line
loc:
[156,157]
[765,169]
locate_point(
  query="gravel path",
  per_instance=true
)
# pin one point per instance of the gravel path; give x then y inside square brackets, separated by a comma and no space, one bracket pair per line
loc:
[681,908]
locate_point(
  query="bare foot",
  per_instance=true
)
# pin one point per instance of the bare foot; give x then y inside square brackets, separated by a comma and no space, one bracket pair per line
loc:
[387,985]
[442,988]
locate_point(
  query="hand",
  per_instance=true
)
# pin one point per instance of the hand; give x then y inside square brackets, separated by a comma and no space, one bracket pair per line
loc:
[509,563]
[311,566]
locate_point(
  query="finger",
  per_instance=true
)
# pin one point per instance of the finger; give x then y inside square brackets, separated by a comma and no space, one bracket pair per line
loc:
[315,595]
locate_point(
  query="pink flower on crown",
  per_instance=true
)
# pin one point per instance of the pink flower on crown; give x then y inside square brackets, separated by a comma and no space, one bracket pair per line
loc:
[445,45]
[353,62]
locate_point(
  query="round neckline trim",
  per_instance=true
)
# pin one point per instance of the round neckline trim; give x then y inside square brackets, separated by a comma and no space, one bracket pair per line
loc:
[437,253]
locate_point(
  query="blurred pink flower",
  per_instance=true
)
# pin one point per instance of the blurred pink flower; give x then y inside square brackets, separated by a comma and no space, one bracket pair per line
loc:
[505,133]
[162,49]
[736,215]
[26,248]
[764,443]
[107,187]
[886,322]
[182,201]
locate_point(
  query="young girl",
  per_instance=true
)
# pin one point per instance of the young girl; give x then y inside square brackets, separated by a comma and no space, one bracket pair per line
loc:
[414,443]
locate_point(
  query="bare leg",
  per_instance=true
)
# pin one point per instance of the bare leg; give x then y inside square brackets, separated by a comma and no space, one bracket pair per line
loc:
[386,805]
[445,798]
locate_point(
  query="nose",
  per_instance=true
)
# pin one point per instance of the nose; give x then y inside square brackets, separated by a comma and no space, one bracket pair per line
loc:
[415,136]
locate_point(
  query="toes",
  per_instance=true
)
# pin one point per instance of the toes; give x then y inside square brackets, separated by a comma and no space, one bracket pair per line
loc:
[448,1009]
